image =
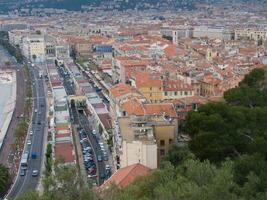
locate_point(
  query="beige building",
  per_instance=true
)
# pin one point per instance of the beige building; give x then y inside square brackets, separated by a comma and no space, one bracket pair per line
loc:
[138,143]
[146,139]
[252,34]
[33,47]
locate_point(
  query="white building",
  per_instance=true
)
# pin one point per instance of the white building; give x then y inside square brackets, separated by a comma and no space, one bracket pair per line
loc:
[15,37]
[181,32]
[213,32]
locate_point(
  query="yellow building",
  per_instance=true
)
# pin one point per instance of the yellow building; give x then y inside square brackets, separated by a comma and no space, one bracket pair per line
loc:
[151,92]
[156,89]
[165,135]
[209,86]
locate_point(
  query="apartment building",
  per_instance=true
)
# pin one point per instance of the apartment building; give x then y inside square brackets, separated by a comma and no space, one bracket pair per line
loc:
[213,32]
[159,120]
[124,67]
[156,88]
[33,48]
[138,144]
[15,37]
[181,32]
[251,33]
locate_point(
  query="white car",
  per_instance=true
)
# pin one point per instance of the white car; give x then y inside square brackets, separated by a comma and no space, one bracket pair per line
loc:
[31,132]
[92,176]
[29,142]
[35,173]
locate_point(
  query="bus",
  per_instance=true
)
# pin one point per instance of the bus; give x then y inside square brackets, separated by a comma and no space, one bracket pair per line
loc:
[24,160]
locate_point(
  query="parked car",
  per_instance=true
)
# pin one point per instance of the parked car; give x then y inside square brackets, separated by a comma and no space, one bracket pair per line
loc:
[92,176]
[92,170]
[22,172]
[29,142]
[102,176]
[35,173]
[99,158]
[108,171]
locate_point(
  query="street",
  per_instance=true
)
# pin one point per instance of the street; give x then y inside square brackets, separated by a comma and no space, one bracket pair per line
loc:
[27,182]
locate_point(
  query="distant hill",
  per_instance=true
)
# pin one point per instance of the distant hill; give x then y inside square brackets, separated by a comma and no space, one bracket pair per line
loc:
[6,5]
[108,4]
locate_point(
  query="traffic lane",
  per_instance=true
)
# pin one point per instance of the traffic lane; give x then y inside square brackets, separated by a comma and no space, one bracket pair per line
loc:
[21,180]
[30,182]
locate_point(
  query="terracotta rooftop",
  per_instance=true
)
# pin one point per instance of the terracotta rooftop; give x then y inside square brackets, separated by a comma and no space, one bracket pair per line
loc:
[120,90]
[126,175]
[160,109]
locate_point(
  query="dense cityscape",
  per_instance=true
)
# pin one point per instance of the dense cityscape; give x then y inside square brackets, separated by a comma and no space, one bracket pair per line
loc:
[114,100]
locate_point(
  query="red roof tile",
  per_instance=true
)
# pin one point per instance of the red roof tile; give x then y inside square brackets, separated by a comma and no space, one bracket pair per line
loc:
[126,175]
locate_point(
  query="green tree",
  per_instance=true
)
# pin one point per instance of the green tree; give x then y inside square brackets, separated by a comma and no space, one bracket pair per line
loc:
[4,179]
[178,154]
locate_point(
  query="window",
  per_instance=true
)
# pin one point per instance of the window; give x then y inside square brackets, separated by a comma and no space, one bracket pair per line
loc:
[162,152]
[162,142]
[150,94]
[181,93]
[166,93]
[175,93]
[170,141]
[185,93]
[151,88]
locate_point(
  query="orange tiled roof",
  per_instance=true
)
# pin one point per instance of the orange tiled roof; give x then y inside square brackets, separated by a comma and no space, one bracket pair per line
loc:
[147,80]
[170,51]
[126,175]
[160,109]
[120,89]
[133,107]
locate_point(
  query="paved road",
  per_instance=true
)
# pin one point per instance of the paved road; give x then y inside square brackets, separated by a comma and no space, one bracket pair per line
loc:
[27,182]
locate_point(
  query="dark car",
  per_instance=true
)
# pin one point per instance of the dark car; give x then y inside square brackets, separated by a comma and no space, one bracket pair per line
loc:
[22,172]
[92,170]
[102,176]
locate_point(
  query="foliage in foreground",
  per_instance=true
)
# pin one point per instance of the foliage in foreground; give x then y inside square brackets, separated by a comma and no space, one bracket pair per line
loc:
[4,179]
[64,184]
